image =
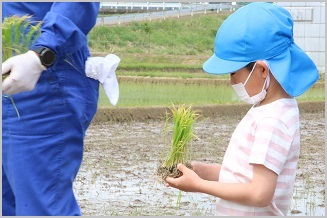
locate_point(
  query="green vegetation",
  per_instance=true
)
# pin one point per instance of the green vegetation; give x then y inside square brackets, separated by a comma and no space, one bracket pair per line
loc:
[180,122]
[183,119]
[313,94]
[174,48]
[133,94]
[184,36]
[170,74]
[17,34]
[159,44]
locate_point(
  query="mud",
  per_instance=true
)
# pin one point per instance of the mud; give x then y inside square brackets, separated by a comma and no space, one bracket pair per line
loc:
[163,172]
[167,80]
[117,176]
[186,81]
[128,114]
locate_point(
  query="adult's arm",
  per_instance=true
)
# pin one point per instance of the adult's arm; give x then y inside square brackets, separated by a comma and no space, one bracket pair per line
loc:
[65,27]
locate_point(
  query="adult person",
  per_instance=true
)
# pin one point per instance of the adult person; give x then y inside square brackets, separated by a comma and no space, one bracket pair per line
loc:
[42,148]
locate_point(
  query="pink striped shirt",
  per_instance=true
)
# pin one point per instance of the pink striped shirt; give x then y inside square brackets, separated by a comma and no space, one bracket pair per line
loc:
[267,135]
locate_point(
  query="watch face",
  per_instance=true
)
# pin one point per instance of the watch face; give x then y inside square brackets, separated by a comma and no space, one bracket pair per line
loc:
[48,57]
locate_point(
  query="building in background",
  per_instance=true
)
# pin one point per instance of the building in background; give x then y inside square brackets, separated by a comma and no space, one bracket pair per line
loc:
[309,28]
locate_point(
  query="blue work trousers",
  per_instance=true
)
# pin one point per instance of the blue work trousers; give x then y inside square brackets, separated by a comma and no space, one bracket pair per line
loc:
[42,148]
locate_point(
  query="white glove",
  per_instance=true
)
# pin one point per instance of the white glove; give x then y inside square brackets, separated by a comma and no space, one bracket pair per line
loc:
[103,69]
[25,70]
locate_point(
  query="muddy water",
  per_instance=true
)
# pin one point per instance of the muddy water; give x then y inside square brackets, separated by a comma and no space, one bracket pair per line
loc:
[117,174]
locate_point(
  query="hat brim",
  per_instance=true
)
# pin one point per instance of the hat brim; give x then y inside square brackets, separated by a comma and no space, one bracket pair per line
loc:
[218,66]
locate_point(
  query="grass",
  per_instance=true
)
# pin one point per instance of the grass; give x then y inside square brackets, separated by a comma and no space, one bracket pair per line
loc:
[170,74]
[133,94]
[174,48]
[313,94]
[159,44]
[160,36]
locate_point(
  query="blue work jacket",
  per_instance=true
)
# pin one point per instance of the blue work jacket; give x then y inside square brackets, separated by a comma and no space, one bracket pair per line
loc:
[64,28]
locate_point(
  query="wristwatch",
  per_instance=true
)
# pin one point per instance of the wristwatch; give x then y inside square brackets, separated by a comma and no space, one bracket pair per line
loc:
[47,56]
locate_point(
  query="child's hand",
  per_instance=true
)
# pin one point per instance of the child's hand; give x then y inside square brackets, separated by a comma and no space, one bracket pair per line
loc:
[188,182]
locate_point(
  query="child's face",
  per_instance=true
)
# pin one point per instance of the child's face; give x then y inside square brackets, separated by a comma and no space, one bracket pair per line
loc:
[255,82]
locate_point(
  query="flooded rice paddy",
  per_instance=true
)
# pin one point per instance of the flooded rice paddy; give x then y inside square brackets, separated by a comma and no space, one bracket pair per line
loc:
[117,174]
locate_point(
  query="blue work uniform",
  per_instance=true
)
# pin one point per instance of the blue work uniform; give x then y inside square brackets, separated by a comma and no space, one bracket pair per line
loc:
[42,148]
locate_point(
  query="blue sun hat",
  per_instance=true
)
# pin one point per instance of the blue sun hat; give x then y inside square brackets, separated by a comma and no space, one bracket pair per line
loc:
[263,31]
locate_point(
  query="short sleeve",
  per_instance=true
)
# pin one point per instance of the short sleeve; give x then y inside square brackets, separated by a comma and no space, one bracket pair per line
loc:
[271,146]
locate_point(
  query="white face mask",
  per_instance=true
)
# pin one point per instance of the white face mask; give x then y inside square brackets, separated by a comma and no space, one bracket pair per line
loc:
[243,94]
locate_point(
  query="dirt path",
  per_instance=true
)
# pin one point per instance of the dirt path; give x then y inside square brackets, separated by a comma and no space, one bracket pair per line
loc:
[116,177]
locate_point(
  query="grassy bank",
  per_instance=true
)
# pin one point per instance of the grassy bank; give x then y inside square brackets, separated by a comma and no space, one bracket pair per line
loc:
[183,43]
[184,36]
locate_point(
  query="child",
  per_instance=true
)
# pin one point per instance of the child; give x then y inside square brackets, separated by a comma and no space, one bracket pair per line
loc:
[267,69]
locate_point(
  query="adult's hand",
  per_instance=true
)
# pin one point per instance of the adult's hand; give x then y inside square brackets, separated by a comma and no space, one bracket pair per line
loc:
[24,69]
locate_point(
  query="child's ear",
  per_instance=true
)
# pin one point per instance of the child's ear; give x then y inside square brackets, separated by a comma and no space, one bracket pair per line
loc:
[264,68]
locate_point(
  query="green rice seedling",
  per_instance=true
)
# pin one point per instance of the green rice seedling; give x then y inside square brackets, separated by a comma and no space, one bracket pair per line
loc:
[17,35]
[183,119]
[179,199]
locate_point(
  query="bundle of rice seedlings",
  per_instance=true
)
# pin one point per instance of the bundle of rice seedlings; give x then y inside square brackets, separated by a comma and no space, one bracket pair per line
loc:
[183,119]
[17,35]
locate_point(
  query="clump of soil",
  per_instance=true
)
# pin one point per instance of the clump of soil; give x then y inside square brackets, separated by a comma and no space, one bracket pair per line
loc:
[165,172]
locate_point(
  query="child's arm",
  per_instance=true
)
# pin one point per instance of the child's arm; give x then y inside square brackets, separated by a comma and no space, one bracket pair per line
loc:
[206,171]
[258,193]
